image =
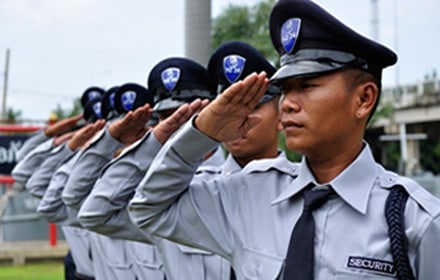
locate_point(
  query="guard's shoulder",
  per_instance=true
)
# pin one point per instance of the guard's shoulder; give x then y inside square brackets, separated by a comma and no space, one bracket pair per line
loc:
[280,164]
[416,192]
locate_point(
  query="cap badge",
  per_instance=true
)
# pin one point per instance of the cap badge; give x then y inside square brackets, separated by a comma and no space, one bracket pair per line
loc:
[170,77]
[233,66]
[128,99]
[97,109]
[112,100]
[289,33]
[93,94]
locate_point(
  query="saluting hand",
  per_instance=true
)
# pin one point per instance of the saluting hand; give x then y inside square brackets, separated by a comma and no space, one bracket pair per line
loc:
[83,135]
[62,126]
[63,138]
[229,116]
[133,126]
[167,127]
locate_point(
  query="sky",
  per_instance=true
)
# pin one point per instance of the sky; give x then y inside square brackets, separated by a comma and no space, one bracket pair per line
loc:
[58,48]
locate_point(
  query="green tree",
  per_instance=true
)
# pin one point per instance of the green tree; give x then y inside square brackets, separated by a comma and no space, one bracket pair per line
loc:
[63,113]
[247,24]
[293,156]
[250,25]
[430,155]
[13,116]
[384,110]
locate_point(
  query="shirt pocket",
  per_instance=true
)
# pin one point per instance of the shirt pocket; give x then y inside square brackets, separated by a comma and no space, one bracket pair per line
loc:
[258,265]
[145,255]
[114,253]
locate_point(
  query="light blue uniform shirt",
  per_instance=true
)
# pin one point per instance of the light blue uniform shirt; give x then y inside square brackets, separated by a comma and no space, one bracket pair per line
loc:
[31,162]
[31,143]
[54,210]
[104,211]
[40,179]
[87,170]
[248,217]
[80,183]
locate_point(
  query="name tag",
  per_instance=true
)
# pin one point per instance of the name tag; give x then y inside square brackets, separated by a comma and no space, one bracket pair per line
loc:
[370,264]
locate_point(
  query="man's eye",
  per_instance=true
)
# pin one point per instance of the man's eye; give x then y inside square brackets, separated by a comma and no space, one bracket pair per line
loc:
[307,85]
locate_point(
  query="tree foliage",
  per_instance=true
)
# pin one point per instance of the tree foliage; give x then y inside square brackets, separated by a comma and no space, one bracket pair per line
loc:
[13,116]
[63,113]
[250,25]
[384,110]
[247,24]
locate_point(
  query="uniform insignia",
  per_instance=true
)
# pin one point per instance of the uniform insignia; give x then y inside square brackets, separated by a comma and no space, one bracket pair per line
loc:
[112,100]
[128,99]
[289,33]
[373,265]
[170,77]
[93,94]
[97,109]
[233,66]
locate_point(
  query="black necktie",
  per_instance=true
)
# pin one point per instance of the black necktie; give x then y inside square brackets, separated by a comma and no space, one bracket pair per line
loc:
[299,259]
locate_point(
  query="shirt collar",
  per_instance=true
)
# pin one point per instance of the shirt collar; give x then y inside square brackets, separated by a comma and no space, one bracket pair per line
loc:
[216,159]
[353,185]
[230,166]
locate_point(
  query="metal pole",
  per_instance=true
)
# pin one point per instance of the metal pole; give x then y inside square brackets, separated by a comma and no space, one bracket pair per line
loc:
[5,86]
[198,30]
[374,19]
[396,48]
[403,147]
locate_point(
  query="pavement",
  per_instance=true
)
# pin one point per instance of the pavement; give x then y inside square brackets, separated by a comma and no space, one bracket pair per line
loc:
[21,252]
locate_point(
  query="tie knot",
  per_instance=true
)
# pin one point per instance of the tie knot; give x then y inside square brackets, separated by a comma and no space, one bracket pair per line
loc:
[314,199]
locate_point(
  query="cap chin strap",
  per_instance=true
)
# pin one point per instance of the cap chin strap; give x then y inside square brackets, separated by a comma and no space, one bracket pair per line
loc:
[332,58]
[183,94]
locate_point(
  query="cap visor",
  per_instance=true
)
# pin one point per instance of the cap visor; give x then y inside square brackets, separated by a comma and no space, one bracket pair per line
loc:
[303,68]
[167,104]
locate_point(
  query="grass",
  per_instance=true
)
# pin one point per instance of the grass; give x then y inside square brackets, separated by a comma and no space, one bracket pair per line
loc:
[36,271]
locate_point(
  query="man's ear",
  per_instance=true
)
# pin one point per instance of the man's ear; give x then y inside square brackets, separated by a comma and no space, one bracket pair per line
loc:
[279,125]
[367,95]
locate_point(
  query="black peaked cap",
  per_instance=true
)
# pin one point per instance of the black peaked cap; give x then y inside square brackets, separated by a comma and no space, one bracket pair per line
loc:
[312,41]
[131,96]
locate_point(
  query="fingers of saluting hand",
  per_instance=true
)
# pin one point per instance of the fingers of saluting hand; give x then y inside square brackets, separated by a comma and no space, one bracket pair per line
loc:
[259,88]
[84,134]
[181,114]
[184,112]
[167,127]
[142,114]
[248,91]
[63,138]
[137,118]
[90,129]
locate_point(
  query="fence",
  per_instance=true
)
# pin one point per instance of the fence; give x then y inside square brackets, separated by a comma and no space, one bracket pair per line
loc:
[19,220]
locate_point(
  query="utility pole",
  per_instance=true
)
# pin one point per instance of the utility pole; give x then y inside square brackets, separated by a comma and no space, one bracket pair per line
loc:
[5,86]
[198,30]
[375,19]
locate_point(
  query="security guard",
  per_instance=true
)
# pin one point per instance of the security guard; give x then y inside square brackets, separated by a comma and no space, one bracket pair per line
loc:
[106,264]
[51,206]
[53,130]
[87,171]
[39,158]
[332,202]
[233,61]
[175,82]
[41,144]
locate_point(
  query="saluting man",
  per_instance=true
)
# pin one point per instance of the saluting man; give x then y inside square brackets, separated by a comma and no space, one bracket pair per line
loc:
[324,218]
